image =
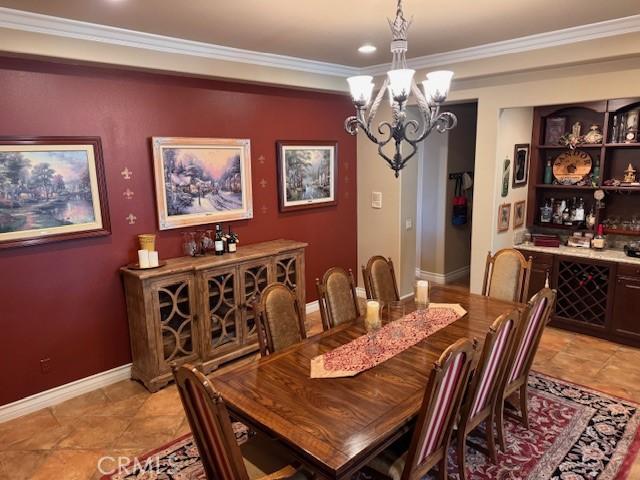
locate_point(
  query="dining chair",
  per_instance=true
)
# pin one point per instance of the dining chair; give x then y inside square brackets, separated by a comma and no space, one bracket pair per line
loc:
[507,275]
[380,279]
[480,399]
[535,317]
[337,297]
[280,322]
[411,457]
[221,456]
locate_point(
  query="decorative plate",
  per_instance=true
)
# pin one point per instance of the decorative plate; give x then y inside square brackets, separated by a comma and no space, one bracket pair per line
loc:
[571,167]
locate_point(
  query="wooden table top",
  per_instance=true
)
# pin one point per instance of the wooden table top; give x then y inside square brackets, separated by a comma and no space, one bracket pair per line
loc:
[336,425]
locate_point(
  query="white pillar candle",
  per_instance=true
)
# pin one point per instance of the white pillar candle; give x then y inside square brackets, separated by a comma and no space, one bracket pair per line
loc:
[422,292]
[154,261]
[143,258]
[372,319]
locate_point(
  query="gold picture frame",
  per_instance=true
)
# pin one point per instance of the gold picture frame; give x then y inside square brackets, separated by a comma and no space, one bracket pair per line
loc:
[504,217]
[518,213]
[201,180]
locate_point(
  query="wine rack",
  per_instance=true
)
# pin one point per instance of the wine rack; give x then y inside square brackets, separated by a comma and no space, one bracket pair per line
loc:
[583,292]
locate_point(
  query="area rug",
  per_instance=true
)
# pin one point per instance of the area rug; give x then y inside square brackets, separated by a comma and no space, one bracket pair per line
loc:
[575,434]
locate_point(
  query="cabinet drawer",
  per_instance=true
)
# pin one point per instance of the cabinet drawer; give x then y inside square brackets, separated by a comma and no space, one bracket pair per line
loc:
[538,257]
[627,270]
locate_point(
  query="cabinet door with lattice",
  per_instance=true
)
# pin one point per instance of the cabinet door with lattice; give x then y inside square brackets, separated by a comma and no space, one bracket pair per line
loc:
[254,278]
[221,326]
[289,269]
[174,308]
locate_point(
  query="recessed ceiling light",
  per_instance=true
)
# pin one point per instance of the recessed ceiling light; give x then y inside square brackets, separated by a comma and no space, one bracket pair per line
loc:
[367,48]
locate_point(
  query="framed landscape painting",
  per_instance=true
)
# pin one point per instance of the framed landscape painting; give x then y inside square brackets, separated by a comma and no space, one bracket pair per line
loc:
[518,214]
[307,173]
[201,180]
[51,189]
[504,216]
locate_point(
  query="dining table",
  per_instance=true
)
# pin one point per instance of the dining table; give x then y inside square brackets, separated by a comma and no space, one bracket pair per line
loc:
[335,426]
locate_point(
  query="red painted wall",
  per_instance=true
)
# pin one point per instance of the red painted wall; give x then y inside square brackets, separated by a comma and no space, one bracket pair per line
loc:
[65,300]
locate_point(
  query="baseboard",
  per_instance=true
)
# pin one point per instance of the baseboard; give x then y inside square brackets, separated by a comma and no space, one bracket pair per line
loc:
[362,293]
[59,394]
[443,277]
[56,395]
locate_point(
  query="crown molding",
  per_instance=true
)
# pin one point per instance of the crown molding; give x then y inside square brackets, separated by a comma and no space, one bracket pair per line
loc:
[608,28]
[64,27]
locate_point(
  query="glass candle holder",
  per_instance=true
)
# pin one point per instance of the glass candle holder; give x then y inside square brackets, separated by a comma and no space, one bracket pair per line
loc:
[372,319]
[393,311]
[422,294]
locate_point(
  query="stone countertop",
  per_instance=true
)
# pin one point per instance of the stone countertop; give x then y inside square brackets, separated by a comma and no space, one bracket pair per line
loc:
[609,255]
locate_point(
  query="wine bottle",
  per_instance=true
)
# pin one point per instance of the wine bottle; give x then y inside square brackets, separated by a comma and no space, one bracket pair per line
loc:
[219,243]
[231,241]
[599,240]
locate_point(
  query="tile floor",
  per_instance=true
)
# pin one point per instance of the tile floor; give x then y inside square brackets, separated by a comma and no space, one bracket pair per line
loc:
[66,441]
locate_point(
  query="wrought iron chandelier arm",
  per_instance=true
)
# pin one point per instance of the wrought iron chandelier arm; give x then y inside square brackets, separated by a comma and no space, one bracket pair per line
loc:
[376,103]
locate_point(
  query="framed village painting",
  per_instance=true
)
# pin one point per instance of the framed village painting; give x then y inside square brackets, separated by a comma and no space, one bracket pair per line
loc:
[51,189]
[307,173]
[201,180]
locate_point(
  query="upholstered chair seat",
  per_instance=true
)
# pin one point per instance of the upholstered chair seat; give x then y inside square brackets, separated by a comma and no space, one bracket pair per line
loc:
[337,297]
[280,320]
[380,279]
[217,438]
[507,275]
[415,454]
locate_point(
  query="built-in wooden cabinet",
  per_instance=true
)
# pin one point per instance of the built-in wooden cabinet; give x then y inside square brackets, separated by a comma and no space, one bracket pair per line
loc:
[201,310]
[595,297]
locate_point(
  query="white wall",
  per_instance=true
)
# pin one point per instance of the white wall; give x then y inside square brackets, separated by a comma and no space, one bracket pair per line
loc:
[514,126]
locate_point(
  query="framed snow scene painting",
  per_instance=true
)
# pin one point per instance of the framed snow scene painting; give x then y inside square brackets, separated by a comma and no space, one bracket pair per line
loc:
[201,180]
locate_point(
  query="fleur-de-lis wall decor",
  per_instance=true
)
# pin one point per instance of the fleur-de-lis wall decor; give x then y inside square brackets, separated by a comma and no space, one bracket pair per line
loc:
[126,173]
[131,219]
[128,194]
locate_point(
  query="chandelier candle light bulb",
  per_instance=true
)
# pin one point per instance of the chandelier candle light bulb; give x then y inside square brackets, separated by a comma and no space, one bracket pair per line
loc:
[400,84]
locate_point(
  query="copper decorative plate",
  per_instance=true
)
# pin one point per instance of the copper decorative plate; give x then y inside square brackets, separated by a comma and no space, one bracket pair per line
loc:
[571,167]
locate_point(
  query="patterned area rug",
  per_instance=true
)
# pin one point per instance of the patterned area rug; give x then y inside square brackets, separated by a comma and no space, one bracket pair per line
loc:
[575,434]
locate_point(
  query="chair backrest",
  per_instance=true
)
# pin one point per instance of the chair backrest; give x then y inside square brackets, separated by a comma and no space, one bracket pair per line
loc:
[447,383]
[507,275]
[210,424]
[337,297]
[380,279]
[280,320]
[534,319]
[496,353]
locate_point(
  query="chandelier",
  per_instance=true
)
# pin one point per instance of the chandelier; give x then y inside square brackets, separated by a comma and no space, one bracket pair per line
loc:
[400,84]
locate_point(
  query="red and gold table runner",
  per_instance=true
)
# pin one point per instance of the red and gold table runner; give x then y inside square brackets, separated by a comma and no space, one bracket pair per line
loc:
[373,348]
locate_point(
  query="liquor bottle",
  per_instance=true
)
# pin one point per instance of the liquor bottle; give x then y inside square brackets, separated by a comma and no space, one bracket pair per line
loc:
[622,130]
[548,173]
[573,210]
[599,240]
[219,242]
[566,215]
[232,244]
[557,212]
[579,215]
[546,211]
[615,130]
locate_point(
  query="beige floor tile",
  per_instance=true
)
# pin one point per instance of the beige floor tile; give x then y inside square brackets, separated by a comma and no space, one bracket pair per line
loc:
[20,429]
[165,402]
[93,432]
[571,368]
[126,407]
[111,459]
[125,390]
[80,405]
[148,433]
[593,349]
[20,464]
[183,429]
[555,339]
[69,465]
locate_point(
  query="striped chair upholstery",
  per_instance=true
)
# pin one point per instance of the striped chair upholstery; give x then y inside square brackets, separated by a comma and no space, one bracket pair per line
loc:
[506,275]
[380,279]
[535,317]
[412,457]
[280,320]
[483,389]
[337,297]
[213,433]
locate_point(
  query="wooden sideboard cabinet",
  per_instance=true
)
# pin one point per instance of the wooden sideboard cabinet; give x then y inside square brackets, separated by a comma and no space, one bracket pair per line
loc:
[200,310]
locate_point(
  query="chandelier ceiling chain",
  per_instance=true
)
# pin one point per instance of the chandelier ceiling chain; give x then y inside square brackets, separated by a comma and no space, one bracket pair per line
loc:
[400,84]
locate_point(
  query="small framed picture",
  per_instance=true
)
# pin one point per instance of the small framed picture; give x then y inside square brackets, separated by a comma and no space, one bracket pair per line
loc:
[504,217]
[520,165]
[555,128]
[307,173]
[518,214]
[201,180]
[51,189]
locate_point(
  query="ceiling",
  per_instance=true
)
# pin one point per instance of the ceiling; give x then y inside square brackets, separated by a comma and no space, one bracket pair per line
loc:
[332,30]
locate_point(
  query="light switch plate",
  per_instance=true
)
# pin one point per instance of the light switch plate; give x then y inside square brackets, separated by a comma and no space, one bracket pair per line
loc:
[408,223]
[376,199]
